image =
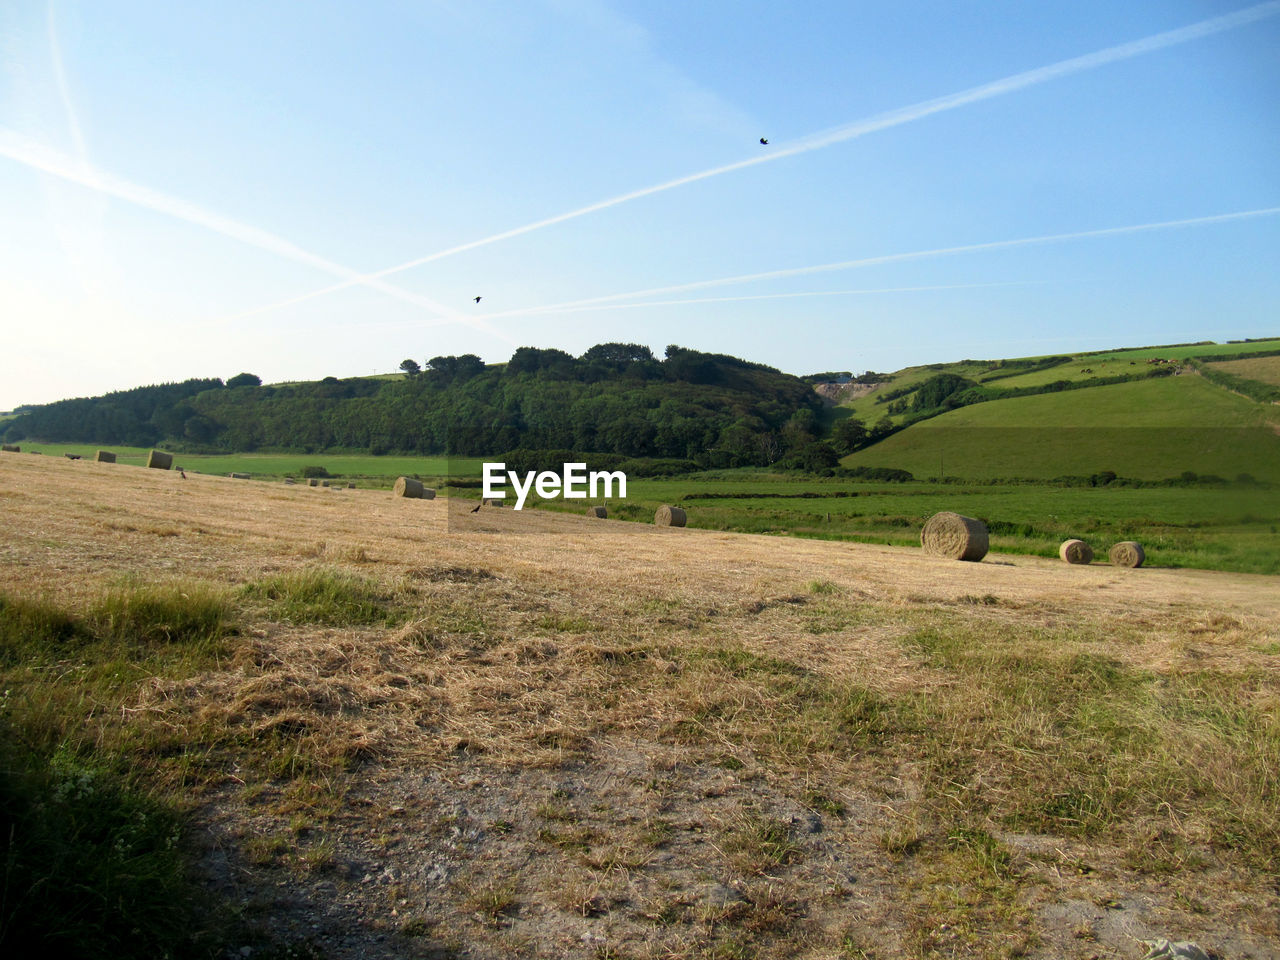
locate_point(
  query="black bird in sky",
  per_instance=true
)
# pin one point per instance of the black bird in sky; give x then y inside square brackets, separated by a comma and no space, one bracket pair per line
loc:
[477,299]
[764,142]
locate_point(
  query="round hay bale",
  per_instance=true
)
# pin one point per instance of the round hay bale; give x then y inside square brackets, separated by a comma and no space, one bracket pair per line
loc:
[313,482]
[72,456]
[1127,553]
[105,456]
[493,502]
[950,535]
[239,476]
[1075,551]
[159,460]
[669,516]
[600,512]
[289,481]
[351,484]
[10,448]
[408,487]
[324,483]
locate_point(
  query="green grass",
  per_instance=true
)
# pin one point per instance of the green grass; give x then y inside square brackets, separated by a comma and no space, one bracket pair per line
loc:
[278,465]
[319,595]
[1150,429]
[1232,528]
[95,862]
[1101,364]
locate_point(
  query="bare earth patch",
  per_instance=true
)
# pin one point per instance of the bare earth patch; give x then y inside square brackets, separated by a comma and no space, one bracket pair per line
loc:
[552,736]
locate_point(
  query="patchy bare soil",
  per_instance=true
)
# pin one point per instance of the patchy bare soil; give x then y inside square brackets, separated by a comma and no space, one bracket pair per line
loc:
[584,738]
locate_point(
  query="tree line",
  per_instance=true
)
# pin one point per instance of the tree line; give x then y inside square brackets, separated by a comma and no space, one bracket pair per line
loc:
[616,398]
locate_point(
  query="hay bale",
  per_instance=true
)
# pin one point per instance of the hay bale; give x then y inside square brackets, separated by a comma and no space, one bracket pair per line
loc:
[239,476]
[313,482]
[351,484]
[160,460]
[428,493]
[72,456]
[10,448]
[105,456]
[324,483]
[950,535]
[493,502]
[289,481]
[600,512]
[409,487]
[668,516]
[1127,553]
[1075,551]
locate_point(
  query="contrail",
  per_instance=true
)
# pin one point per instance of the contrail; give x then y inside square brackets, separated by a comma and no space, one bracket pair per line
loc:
[64,90]
[851,131]
[46,160]
[889,258]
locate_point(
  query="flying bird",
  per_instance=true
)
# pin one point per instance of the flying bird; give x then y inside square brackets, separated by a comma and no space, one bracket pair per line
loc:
[477,299]
[764,142]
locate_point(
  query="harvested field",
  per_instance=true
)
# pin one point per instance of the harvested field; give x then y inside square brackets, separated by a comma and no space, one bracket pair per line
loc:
[531,734]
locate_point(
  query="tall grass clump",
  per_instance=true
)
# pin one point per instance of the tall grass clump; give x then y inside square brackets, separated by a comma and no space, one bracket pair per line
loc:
[35,628]
[319,595]
[190,614]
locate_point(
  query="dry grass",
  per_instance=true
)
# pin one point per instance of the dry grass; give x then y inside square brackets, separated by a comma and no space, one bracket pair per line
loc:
[545,736]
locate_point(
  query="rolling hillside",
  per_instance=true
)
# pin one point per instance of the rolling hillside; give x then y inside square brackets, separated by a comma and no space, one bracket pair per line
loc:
[1147,430]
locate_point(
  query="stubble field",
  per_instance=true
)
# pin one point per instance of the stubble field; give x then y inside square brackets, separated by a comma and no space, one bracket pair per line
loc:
[392,729]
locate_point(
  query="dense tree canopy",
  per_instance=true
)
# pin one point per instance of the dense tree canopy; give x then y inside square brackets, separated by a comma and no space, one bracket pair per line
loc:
[617,398]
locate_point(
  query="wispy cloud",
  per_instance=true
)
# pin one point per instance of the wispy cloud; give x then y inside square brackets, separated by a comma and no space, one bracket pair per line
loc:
[40,157]
[888,258]
[844,133]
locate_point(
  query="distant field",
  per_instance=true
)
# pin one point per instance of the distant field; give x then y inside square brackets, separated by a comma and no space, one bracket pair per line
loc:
[273,465]
[1148,429]
[1223,529]
[1084,366]
[1262,369]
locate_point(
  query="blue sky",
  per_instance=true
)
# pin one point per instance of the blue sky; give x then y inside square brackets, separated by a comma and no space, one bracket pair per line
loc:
[178,182]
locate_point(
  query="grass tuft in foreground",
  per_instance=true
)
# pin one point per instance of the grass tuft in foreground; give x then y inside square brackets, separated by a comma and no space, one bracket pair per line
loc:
[321,595]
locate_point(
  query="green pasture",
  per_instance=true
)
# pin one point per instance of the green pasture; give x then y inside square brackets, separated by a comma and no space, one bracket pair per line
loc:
[1145,429]
[1083,366]
[278,465]
[1230,528]
[1180,353]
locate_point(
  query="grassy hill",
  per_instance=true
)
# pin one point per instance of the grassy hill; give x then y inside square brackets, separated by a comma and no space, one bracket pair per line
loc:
[1147,430]
[1076,369]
